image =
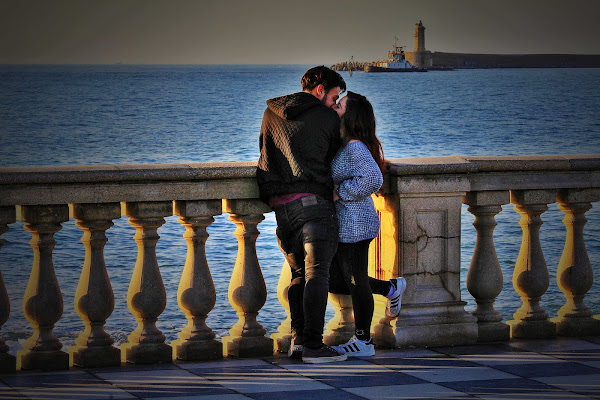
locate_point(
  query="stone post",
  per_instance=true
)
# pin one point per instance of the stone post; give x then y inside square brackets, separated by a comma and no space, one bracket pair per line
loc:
[426,237]
[8,362]
[385,263]
[196,294]
[484,280]
[146,296]
[94,298]
[530,277]
[575,275]
[340,327]
[42,301]
[247,289]
[283,338]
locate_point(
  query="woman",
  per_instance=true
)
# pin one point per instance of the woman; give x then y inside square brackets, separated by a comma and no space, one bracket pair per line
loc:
[357,172]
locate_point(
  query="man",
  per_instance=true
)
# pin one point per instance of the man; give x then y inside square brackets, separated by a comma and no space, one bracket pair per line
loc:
[299,137]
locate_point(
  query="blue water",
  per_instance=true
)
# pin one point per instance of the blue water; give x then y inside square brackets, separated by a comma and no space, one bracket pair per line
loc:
[73,115]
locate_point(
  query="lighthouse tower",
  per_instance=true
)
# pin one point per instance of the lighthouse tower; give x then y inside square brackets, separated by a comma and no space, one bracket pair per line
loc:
[419,57]
[419,37]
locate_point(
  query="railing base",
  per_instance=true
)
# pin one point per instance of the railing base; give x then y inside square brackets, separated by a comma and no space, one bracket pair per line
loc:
[337,338]
[340,328]
[576,327]
[8,363]
[457,334]
[281,342]
[444,324]
[247,346]
[204,350]
[42,360]
[493,332]
[384,335]
[155,353]
[90,357]
[543,329]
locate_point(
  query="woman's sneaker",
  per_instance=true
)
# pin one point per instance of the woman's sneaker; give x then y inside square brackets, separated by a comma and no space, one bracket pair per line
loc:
[357,348]
[324,354]
[296,347]
[394,302]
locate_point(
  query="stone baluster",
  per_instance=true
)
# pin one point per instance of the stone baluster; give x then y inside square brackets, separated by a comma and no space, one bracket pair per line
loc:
[247,289]
[282,339]
[42,301]
[575,275]
[94,298]
[530,277]
[340,328]
[8,362]
[146,296]
[196,294]
[484,279]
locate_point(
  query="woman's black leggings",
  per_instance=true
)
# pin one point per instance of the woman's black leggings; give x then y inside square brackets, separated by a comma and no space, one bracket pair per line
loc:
[349,274]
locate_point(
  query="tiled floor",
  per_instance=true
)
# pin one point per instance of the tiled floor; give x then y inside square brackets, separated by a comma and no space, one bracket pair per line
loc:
[543,369]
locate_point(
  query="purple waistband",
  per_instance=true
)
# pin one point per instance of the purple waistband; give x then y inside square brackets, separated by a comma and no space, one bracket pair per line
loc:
[286,198]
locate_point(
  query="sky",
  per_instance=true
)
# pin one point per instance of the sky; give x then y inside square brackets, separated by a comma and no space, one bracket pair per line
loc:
[285,32]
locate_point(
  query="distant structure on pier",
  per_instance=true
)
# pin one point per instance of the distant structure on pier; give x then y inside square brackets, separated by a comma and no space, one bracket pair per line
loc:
[419,57]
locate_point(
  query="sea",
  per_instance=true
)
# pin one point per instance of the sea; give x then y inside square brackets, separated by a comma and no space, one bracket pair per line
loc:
[143,114]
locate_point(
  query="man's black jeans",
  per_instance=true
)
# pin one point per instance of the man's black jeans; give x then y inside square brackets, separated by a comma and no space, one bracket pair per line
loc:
[307,232]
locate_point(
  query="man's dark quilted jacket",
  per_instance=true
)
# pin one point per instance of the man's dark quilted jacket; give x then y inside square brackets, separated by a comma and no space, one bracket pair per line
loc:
[298,139]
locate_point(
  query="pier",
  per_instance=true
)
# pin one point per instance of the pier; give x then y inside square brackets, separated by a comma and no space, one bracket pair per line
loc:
[420,239]
[444,61]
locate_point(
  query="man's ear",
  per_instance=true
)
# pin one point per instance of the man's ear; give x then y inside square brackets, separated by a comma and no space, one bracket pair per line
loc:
[319,91]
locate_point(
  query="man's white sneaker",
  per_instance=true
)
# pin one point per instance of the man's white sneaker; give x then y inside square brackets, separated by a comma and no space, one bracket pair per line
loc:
[394,302]
[356,348]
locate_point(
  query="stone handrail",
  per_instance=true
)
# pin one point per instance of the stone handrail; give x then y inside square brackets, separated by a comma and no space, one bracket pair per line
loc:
[419,239]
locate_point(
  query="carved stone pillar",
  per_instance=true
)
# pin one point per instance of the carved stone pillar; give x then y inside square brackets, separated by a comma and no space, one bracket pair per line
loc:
[385,263]
[421,235]
[575,275]
[42,301]
[196,294]
[484,280]
[530,277]
[8,362]
[247,289]
[94,298]
[282,339]
[146,296]
[340,328]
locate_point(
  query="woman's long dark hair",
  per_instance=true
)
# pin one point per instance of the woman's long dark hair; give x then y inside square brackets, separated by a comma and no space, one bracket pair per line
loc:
[358,123]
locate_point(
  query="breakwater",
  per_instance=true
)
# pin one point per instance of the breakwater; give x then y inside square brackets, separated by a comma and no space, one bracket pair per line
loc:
[467,60]
[355,66]
[442,60]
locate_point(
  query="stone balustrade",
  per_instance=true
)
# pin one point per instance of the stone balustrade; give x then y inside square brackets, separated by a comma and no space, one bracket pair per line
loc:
[420,239]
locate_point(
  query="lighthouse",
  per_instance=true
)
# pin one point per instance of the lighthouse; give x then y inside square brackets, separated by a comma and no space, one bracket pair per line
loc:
[419,57]
[419,37]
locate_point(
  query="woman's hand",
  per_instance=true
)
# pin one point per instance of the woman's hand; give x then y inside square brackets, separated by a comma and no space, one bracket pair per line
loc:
[335,193]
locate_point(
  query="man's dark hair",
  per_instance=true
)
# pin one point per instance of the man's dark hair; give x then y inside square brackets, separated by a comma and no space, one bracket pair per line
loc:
[322,75]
